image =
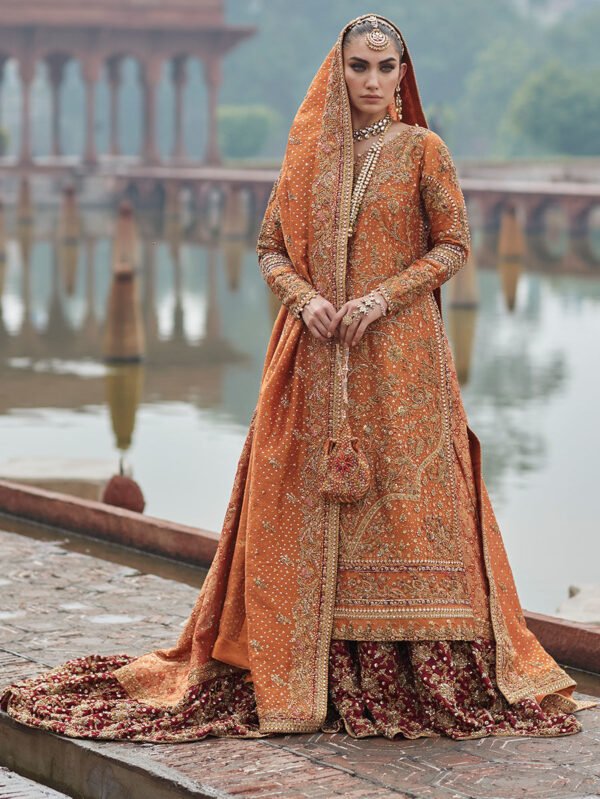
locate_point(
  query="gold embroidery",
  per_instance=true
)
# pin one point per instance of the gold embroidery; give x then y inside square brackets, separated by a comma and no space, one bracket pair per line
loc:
[387,613]
[446,223]
[276,266]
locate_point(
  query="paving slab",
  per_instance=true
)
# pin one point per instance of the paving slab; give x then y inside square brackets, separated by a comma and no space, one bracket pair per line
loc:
[57,604]
[13,786]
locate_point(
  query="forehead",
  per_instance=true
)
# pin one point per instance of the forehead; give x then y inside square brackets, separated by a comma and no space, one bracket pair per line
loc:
[359,48]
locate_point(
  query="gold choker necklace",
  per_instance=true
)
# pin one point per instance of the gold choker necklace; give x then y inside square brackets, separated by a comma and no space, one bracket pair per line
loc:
[372,130]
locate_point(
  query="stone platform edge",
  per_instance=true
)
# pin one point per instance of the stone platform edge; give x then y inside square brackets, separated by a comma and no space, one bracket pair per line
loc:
[191,545]
[92,769]
[571,643]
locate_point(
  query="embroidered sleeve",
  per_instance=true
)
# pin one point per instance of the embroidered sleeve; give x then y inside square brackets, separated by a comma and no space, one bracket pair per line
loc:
[446,219]
[275,265]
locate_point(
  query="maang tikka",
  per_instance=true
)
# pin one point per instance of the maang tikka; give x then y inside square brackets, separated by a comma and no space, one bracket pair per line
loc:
[376,38]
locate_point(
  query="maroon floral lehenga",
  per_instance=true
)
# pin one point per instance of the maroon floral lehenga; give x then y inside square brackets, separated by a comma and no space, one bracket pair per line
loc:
[412,689]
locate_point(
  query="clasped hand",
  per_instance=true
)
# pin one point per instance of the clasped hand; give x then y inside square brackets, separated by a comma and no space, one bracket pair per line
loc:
[325,323]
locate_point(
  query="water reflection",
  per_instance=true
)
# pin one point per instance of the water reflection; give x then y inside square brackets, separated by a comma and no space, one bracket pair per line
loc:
[143,335]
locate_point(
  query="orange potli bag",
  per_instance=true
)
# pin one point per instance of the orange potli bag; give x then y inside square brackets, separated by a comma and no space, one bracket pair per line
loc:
[345,473]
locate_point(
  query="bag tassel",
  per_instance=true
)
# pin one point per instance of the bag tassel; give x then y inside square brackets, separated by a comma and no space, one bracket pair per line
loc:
[344,470]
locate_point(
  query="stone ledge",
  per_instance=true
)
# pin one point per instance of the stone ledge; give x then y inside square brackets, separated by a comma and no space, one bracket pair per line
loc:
[190,545]
[90,769]
[572,643]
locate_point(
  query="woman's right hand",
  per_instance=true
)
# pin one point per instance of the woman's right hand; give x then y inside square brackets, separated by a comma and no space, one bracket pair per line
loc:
[316,315]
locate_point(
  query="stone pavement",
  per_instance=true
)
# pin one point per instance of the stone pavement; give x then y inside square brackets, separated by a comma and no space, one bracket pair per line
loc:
[57,604]
[13,786]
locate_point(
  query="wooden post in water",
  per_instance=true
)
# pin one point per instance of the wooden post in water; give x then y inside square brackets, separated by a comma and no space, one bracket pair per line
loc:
[69,230]
[461,315]
[24,204]
[511,249]
[124,339]
[234,232]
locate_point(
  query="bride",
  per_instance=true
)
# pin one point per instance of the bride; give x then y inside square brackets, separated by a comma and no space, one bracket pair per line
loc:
[360,581]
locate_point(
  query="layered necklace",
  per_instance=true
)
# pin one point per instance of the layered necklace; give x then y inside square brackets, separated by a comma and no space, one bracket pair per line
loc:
[372,130]
[368,167]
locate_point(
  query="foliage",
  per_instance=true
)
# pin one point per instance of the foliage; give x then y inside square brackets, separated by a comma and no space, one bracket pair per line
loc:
[574,40]
[244,129]
[558,108]
[498,71]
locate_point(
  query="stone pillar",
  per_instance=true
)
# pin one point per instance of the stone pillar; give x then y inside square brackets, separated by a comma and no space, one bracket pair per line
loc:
[26,71]
[577,210]
[91,67]
[212,71]
[179,79]
[114,83]
[151,70]
[56,66]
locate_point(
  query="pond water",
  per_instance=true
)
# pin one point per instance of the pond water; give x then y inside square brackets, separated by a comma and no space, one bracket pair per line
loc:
[529,379]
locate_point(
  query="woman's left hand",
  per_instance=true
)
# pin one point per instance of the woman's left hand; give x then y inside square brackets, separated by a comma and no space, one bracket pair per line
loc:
[350,335]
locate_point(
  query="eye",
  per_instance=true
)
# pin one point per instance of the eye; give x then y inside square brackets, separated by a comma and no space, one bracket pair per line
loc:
[357,67]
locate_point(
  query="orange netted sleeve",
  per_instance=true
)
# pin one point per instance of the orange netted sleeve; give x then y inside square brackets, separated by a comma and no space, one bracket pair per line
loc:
[446,220]
[276,266]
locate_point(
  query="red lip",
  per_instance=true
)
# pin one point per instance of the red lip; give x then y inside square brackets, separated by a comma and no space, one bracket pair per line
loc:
[371,97]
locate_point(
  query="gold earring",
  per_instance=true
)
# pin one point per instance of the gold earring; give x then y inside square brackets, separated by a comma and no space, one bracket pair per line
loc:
[398,102]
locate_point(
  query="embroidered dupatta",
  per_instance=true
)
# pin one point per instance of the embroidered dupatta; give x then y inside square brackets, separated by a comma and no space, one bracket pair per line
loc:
[269,600]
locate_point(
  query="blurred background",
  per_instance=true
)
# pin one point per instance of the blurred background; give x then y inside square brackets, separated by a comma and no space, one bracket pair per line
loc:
[139,141]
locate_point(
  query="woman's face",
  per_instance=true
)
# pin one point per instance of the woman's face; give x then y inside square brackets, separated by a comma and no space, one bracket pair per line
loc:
[371,76]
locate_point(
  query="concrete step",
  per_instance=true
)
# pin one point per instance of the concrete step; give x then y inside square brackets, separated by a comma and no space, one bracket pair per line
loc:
[91,770]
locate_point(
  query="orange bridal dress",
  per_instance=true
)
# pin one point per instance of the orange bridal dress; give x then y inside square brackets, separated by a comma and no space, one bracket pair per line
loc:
[393,614]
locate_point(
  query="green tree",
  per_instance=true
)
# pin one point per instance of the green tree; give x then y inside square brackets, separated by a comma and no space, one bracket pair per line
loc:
[244,129]
[574,39]
[489,88]
[558,109]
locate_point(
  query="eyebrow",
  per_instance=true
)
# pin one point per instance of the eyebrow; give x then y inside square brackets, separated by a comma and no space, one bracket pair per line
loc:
[364,60]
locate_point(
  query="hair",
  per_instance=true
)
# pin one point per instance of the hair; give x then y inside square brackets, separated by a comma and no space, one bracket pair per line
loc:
[365,26]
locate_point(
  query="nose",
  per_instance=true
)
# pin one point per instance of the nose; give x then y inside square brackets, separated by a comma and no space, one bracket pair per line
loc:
[372,80]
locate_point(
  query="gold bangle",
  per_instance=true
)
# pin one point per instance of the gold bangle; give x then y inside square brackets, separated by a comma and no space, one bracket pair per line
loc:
[297,310]
[384,291]
[382,305]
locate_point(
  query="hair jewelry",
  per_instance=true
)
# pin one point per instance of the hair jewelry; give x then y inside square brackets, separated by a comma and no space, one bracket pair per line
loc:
[376,38]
